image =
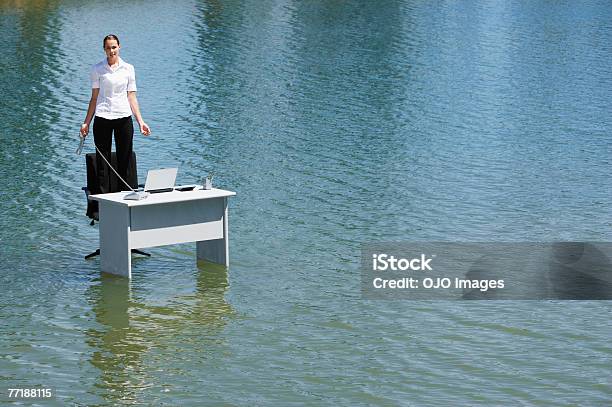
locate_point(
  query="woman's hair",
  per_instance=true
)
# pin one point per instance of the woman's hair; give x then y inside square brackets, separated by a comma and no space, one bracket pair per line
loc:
[110,37]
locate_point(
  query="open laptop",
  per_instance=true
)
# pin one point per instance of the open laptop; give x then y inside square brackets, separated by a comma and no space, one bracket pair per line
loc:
[160,180]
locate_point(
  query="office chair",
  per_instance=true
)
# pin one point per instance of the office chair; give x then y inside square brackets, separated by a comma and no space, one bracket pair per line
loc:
[93,187]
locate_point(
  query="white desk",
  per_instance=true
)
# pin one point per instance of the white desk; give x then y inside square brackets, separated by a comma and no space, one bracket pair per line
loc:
[161,219]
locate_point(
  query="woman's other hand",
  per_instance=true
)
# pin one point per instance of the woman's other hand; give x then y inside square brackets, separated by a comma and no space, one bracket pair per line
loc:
[144,129]
[84,129]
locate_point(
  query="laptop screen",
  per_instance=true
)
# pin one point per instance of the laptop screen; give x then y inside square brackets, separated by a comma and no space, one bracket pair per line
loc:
[162,179]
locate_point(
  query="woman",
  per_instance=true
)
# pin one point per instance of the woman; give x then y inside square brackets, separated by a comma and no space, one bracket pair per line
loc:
[113,100]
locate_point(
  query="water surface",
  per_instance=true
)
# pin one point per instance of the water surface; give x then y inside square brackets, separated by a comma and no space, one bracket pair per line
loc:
[337,123]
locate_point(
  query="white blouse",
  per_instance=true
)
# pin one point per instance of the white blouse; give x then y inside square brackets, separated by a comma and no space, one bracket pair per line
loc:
[114,84]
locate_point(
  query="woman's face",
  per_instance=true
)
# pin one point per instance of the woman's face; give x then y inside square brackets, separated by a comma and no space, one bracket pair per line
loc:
[111,47]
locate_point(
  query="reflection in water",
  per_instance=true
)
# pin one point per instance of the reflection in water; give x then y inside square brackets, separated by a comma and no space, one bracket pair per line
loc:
[118,349]
[132,330]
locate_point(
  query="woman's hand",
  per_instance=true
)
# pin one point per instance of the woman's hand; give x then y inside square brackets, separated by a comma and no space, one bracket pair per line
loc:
[84,129]
[144,128]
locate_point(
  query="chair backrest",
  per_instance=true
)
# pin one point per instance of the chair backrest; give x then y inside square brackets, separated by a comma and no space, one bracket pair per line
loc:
[93,185]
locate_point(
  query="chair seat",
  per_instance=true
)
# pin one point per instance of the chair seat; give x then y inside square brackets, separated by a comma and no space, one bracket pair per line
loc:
[93,185]
[93,188]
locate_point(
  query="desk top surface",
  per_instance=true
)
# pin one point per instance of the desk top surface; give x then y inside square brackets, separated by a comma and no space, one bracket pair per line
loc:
[163,197]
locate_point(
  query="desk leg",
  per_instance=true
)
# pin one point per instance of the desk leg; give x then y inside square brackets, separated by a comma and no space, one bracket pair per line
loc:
[115,254]
[216,251]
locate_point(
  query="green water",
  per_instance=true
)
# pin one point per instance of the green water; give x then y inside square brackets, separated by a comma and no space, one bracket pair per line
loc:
[337,123]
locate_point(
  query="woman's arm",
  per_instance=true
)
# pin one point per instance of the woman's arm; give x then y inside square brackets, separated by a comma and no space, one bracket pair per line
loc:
[91,109]
[144,128]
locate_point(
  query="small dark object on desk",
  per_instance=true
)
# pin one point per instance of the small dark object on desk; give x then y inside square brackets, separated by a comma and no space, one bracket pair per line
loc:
[187,188]
[159,191]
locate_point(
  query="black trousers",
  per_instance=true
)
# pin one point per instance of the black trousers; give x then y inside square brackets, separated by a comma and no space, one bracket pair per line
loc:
[103,130]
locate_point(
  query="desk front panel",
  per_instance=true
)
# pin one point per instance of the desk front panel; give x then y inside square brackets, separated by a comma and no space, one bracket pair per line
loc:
[177,222]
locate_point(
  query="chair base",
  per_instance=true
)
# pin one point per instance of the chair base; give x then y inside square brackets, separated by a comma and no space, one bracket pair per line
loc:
[134,251]
[93,254]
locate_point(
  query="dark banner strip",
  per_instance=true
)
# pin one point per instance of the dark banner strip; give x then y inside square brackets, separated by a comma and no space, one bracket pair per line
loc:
[487,271]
